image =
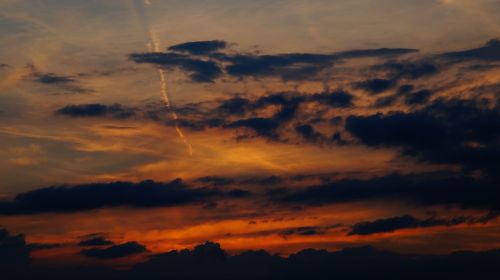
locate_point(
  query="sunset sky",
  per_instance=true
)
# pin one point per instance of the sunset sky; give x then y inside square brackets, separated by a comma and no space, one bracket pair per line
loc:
[279,125]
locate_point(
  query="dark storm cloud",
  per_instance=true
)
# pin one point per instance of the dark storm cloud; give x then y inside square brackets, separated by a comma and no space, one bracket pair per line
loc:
[115,251]
[465,132]
[145,194]
[96,110]
[409,222]
[199,70]
[489,52]
[95,241]
[199,47]
[420,189]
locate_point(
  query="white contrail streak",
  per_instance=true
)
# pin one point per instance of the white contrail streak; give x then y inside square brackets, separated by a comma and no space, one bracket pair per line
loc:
[154,46]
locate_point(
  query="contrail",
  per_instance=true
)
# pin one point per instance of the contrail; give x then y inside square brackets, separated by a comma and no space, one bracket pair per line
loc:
[154,46]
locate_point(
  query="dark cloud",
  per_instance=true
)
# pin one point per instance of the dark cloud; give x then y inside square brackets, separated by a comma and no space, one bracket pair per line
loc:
[205,61]
[199,47]
[489,52]
[52,78]
[418,189]
[408,69]
[376,86]
[465,132]
[409,222]
[95,241]
[199,70]
[418,98]
[309,133]
[335,99]
[96,110]
[307,231]
[261,126]
[385,101]
[215,180]
[115,251]
[235,106]
[93,196]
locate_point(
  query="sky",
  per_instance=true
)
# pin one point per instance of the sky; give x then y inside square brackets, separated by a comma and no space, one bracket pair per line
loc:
[131,128]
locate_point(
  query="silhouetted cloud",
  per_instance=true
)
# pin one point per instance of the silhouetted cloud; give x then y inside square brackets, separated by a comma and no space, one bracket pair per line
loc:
[205,61]
[96,241]
[489,52]
[96,110]
[409,222]
[115,251]
[52,78]
[418,189]
[418,98]
[199,47]
[408,69]
[441,132]
[199,70]
[93,196]
[376,86]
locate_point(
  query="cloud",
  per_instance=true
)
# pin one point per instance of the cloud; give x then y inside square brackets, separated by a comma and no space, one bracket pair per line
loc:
[115,251]
[408,69]
[52,78]
[96,110]
[409,222]
[199,70]
[489,52]
[335,99]
[199,47]
[465,132]
[66,83]
[205,61]
[76,198]
[418,98]
[376,86]
[96,241]
[417,189]
[262,126]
